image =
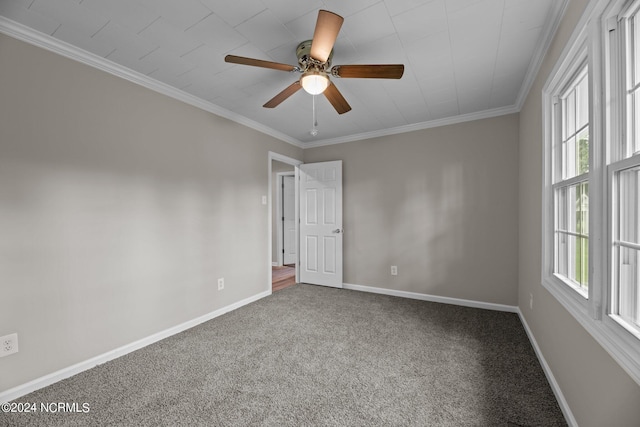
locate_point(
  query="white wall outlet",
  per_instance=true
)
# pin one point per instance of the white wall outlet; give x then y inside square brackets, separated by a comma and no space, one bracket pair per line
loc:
[394,270]
[221,283]
[531,301]
[8,344]
[264,200]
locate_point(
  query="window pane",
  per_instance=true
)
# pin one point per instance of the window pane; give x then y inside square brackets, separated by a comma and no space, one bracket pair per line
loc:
[572,231]
[628,292]
[582,208]
[561,209]
[635,39]
[582,151]
[634,144]
[583,102]
[572,261]
[629,205]
[573,208]
[569,109]
[569,153]
[581,269]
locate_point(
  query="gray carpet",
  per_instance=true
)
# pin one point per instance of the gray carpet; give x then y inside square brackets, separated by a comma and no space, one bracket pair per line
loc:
[311,355]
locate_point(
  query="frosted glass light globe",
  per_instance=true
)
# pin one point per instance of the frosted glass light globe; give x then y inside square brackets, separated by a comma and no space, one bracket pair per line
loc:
[314,82]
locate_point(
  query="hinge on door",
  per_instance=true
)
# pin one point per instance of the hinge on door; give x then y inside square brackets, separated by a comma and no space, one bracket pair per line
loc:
[283,250]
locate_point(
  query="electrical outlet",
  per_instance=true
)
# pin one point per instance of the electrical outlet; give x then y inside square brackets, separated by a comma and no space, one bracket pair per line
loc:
[531,301]
[8,345]
[221,283]
[394,270]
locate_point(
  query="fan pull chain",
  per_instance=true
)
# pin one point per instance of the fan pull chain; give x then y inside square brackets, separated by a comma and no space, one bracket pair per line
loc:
[314,130]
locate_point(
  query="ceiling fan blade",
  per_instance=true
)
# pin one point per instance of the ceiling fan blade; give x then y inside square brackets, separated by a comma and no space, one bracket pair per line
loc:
[324,37]
[336,99]
[388,71]
[258,63]
[290,90]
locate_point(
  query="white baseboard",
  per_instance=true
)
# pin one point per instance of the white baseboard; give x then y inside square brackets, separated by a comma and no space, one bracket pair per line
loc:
[433,298]
[564,405]
[275,264]
[54,377]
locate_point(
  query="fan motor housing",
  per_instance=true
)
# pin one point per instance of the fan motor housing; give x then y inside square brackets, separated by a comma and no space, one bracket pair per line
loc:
[303,53]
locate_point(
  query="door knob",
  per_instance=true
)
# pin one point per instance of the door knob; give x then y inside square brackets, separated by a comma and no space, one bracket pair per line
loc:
[338,230]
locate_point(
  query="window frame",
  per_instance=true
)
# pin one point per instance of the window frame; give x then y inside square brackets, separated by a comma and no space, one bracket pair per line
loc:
[613,170]
[577,70]
[618,159]
[600,40]
[565,73]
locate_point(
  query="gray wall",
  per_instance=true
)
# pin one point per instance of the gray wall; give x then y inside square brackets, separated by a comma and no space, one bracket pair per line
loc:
[598,391]
[440,203]
[119,209]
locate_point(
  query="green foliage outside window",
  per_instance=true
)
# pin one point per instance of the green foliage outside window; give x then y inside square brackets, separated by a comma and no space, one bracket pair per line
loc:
[582,216]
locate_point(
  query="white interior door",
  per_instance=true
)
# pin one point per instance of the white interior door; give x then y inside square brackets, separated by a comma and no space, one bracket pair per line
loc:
[289,219]
[321,223]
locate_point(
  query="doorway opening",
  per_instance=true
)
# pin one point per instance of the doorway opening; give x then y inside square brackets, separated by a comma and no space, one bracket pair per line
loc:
[283,273]
[317,206]
[283,222]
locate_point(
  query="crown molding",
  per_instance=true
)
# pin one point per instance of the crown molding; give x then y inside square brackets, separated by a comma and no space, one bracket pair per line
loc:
[485,114]
[557,12]
[45,41]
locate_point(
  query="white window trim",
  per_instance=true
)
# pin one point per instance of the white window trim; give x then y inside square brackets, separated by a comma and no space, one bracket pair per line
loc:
[574,71]
[590,42]
[563,74]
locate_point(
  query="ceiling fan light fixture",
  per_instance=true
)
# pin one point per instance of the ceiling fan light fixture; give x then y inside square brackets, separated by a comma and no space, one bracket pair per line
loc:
[314,82]
[314,62]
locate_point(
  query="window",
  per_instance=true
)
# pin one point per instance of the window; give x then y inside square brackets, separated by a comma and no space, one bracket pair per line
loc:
[570,159]
[591,195]
[567,177]
[624,183]
[626,250]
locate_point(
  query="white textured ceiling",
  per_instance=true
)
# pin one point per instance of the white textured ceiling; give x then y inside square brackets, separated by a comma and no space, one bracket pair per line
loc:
[463,58]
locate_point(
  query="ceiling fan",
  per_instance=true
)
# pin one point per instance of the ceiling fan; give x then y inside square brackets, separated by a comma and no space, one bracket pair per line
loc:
[314,62]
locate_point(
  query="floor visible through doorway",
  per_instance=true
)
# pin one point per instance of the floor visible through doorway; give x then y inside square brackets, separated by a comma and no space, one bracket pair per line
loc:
[282,277]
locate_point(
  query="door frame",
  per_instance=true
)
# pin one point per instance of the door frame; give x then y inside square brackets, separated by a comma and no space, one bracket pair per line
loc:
[295,163]
[279,227]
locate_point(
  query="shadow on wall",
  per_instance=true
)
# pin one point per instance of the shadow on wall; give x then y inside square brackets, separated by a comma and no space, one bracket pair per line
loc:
[437,219]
